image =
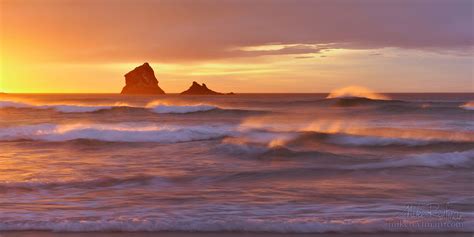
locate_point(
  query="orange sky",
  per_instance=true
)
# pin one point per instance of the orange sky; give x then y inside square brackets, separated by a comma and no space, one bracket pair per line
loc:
[241,46]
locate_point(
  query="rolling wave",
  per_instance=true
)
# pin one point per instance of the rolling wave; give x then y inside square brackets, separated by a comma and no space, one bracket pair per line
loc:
[182,109]
[150,132]
[354,140]
[468,106]
[64,108]
[83,184]
[431,160]
[76,108]
[124,132]
[457,159]
[464,159]
[355,101]
[73,108]
[356,92]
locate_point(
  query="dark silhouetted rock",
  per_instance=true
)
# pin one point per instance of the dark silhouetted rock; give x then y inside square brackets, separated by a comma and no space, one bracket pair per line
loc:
[141,80]
[197,89]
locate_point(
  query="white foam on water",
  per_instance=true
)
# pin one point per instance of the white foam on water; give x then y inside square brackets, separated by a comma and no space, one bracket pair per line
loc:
[64,108]
[123,132]
[76,108]
[356,91]
[468,106]
[13,104]
[181,109]
[159,108]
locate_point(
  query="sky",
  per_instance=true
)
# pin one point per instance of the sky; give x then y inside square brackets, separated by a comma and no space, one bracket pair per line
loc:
[86,46]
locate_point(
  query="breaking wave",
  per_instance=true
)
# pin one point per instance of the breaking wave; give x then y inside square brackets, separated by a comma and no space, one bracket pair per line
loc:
[181,109]
[356,92]
[124,132]
[468,106]
[73,108]
[76,108]
[64,108]
[457,159]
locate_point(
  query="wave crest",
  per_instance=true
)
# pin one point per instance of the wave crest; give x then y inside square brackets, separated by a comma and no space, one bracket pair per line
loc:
[64,108]
[468,106]
[160,108]
[181,109]
[125,132]
[356,91]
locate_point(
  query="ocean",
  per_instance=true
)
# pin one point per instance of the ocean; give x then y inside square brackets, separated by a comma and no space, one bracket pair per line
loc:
[273,163]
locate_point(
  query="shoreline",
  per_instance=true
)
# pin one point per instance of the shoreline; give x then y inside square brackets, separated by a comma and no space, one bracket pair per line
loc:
[218,234]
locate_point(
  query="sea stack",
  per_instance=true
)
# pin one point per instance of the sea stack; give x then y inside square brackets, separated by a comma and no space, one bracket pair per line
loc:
[197,89]
[141,81]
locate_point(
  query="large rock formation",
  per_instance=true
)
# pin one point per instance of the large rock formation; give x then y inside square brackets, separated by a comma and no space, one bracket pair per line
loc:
[197,89]
[141,80]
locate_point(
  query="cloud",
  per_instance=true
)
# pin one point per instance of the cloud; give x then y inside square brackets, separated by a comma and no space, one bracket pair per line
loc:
[185,30]
[304,57]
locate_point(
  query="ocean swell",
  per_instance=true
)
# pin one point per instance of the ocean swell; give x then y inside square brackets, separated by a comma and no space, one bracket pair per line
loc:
[468,106]
[64,108]
[356,92]
[75,108]
[124,132]
[463,159]
[83,184]
[181,109]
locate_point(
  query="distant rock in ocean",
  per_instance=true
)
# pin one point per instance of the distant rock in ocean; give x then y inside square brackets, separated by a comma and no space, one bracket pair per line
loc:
[141,80]
[197,89]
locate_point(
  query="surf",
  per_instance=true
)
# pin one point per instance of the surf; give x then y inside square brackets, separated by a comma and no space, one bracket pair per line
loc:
[356,92]
[156,107]
[122,132]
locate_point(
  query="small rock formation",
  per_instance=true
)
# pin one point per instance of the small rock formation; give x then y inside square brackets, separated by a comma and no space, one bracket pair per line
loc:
[197,89]
[141,80]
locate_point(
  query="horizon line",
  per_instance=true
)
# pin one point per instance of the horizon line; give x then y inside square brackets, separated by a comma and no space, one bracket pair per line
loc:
[235,93]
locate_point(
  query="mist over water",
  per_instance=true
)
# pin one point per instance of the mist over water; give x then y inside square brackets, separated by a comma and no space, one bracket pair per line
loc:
[356,91]
[352,161]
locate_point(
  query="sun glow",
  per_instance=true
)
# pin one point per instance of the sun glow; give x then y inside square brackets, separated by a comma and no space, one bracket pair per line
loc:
[356,91]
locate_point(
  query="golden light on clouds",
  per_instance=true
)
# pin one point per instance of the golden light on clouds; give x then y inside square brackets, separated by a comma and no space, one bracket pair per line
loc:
[310,72]
[54,46]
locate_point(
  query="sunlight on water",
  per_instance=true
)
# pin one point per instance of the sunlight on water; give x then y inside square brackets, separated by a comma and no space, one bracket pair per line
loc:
[469,105]
[356,91]
[280,162]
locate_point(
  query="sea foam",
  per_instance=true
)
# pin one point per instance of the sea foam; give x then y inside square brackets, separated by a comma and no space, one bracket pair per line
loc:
[124,132]
[356,91]
[181,109]
[65,108]
[159,108]
[468,106]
